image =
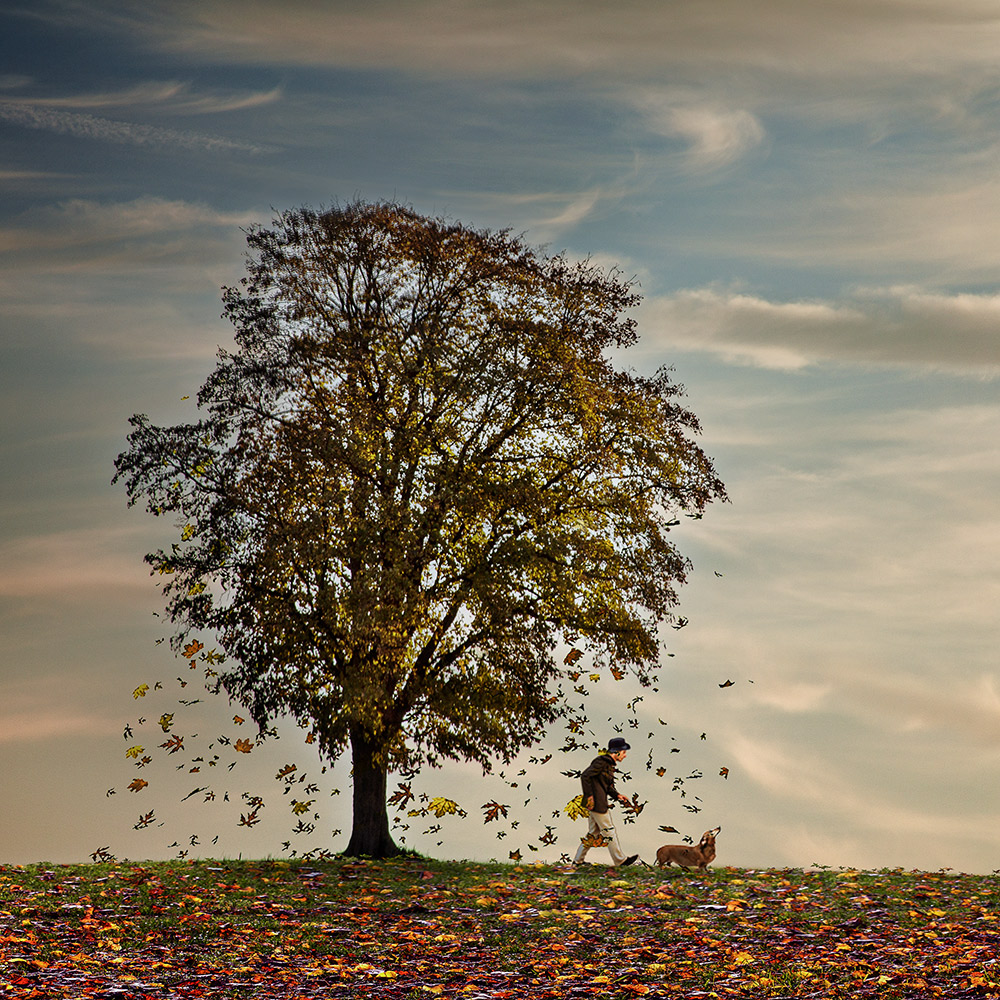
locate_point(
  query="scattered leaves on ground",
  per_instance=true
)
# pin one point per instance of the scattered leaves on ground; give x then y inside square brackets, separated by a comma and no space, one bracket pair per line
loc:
[417,928]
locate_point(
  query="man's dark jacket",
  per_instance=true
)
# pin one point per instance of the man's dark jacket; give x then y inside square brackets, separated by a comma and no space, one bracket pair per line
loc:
[599,780]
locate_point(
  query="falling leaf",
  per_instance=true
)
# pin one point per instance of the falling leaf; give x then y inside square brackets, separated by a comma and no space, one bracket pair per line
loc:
[192,649]
[572,656]
[726,684]
[669,829]
[137,785]
[401,796]
[441,806]
[166,721]
[140,691]
[144,821]
[134,752]
[238,720]
[243,746]
[724,772]
[575,808]
[493,810]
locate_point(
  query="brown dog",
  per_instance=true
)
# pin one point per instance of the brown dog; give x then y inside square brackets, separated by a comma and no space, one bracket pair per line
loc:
[690,857]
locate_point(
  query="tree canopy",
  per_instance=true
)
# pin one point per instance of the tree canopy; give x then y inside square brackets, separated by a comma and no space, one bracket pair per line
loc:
[416,475]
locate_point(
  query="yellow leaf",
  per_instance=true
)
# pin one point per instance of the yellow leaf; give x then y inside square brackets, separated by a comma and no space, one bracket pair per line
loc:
[441,806]
[134,752]
[166,721]
[140,691]
[575,808]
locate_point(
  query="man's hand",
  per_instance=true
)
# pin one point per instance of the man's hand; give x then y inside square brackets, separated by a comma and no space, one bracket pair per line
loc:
[590,802]
[624,799]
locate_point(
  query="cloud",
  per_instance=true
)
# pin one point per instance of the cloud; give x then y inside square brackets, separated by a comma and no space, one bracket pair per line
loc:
[842,41]
[85,238]
[545,215]
[48,720]
[172,96]
[717,136]
[898,326]
[159,262]
[12,176]
[14,81]
[86,126]
[141,94]
[73,565]
[80,222]
[43,706]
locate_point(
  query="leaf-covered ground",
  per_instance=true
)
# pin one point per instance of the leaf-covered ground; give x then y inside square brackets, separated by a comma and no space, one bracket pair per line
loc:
[417,928]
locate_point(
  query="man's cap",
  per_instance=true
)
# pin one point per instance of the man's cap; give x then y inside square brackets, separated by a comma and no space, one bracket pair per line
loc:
[617,744]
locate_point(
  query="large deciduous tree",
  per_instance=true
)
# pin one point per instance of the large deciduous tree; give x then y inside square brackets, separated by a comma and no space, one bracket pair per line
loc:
[418,472]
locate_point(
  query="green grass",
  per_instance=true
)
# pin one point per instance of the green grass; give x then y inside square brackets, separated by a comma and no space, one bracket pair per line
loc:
[413,927]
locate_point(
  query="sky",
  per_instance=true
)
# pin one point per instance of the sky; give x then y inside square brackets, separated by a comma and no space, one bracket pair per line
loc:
[808,197]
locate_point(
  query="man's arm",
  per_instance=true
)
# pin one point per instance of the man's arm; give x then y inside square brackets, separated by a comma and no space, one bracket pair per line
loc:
[613,792]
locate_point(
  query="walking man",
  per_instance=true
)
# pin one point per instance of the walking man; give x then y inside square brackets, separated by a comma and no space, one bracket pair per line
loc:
[599,792]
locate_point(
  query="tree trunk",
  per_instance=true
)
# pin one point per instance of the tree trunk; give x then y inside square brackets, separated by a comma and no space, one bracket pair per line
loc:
[370,835]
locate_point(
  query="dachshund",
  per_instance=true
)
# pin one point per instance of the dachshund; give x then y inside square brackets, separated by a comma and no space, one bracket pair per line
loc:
[690,857]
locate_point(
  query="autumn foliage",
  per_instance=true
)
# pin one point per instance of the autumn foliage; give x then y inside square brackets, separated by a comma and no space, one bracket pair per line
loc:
[417,476]
[409,928]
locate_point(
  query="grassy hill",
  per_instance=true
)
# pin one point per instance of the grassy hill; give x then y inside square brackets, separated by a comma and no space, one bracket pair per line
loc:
[414,927]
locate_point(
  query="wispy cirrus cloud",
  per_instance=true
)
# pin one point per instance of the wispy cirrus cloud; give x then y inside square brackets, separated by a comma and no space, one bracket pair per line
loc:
[87,126]
[844,40]
[546,215]
[171,96]
[900,326]
[716,136]
[79,222]
[64,566]
[14,81]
